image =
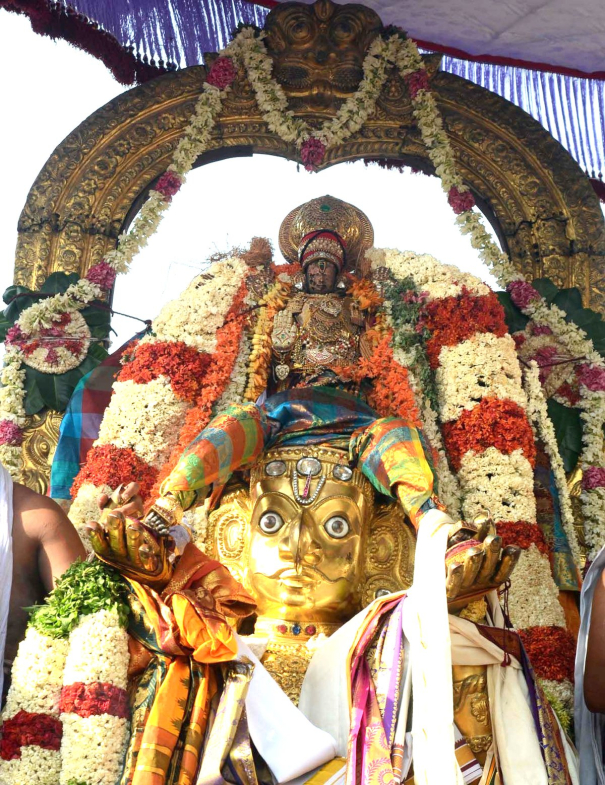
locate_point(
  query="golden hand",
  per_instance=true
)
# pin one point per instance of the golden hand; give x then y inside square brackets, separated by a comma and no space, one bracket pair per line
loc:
[477,564]
[128,545]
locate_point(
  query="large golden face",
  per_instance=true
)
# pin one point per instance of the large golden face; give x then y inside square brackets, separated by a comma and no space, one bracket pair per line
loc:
[318,557]
[303,552]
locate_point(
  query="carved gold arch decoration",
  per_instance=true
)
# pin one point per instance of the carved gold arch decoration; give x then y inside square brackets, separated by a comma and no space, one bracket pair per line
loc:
[541,204]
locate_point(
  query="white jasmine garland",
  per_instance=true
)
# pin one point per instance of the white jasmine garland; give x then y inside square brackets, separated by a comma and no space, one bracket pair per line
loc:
[36,766]
[37,676]
[96,748]
[145,418]
[98,651]
[500,483]
[200,311]
[533,596]
[483,366]
[538,413]
[92,748]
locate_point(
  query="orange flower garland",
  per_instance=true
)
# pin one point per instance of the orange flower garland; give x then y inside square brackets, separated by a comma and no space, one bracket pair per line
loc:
[183,365]
[451,320]
[493,422]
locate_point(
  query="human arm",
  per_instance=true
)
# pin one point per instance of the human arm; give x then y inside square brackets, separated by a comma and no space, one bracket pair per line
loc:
[594,667]
[46,531]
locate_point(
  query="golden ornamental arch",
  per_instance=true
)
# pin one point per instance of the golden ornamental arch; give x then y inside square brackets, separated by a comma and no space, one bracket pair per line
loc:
[538,199]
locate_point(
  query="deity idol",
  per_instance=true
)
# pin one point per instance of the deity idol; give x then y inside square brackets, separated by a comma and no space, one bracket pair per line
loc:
[327,516]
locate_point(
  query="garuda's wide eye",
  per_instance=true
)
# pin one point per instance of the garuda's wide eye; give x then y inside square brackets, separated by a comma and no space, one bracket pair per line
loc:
[271,522]
[337,527]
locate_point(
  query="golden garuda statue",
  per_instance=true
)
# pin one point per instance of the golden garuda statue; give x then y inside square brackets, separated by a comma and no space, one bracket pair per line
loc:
[331,622]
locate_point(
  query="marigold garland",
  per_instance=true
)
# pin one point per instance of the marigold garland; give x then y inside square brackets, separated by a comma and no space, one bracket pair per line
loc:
[109,465]
[492,423]
[184,366]
[552,651]
[451,320]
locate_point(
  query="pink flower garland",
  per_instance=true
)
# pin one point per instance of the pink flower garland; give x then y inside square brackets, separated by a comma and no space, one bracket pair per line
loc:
[522,293]
[460,201]
[591,376]
[593,477]
[10,433]
[169,185]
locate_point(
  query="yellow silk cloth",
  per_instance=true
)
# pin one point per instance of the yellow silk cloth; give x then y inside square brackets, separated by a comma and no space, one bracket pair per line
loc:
[177,636]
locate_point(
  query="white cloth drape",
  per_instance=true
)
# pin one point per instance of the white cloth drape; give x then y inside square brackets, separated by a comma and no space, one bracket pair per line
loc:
[589,727]
[288,743]
[6,556]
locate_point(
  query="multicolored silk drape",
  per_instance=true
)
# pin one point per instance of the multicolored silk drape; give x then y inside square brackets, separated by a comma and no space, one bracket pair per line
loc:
[391,452]
[176,638]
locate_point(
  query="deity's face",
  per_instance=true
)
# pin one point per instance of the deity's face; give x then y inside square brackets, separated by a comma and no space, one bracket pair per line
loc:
[304,562]
[320,277]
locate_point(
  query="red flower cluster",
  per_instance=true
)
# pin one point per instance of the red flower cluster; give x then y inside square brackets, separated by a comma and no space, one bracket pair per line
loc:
[222,73]
[169,185]
[103,274]
[89,700]
[312,153]
[551,650]
[495,422]
[26,728]
[109,465]
[460,201]
[183,365]
[522,534]
[451,320]
[417,81]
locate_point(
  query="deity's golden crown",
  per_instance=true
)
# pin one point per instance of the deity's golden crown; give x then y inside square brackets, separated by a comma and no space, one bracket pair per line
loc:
[349,222]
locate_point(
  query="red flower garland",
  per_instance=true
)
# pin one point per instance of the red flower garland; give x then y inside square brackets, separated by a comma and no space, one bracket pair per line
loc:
[452,320]
[88,700]
[551,650]
[494,422]
[109,465]
[182,364]
[27,728]
[522,534]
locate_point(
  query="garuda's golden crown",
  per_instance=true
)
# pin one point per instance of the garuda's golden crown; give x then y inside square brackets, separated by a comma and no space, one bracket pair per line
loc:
[351,224]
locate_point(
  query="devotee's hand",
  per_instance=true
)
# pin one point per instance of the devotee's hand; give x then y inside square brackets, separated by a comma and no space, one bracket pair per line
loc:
[476,564]
[125,543]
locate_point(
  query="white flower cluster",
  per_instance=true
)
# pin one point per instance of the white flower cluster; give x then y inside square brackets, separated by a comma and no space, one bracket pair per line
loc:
[533,596]
[145,418]
[484,366]
[502,484]
[538,413]
[37,675]
[93,748]
[36,766]
[37,678]
[98,651]
[200,311]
